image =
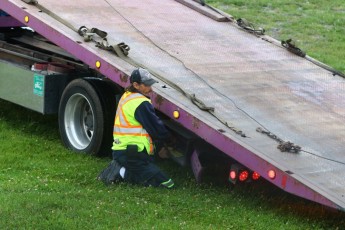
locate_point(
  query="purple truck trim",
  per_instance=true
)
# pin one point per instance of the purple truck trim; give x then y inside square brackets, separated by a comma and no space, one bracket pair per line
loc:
[211,135]
[241,154]
[8,21]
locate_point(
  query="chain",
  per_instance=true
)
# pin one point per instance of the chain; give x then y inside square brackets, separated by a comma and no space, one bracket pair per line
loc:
[290,46]
[248,26]
[284,146]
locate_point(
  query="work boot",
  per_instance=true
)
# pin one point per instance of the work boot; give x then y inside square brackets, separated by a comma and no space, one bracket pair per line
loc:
[111,174]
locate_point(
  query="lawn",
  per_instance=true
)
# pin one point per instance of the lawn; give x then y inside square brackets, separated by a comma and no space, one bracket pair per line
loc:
[45,186]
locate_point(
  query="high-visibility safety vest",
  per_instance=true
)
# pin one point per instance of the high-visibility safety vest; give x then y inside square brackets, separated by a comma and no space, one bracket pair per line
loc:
[127,130]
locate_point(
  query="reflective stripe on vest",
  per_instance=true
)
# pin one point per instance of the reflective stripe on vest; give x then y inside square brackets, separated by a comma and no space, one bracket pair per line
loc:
[127,130]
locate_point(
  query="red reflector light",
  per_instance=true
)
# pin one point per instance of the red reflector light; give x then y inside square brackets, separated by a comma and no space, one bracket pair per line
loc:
[271,174]
[243,175]
[232,175]
[255,176]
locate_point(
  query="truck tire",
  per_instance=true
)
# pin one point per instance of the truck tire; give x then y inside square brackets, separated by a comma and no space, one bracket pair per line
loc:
[82,118]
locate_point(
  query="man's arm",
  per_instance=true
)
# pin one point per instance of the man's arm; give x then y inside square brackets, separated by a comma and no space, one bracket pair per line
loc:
[147,117]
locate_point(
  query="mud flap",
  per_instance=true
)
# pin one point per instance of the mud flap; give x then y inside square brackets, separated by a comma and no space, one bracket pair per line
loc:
[196,166]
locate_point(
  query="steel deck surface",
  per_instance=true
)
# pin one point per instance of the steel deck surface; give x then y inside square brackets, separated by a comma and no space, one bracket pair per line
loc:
[250,82]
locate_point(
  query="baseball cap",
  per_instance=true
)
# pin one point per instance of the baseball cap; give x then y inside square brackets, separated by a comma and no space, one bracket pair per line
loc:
[142,76]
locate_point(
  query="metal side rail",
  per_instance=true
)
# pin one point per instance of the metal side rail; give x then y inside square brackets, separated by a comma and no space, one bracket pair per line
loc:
[249,82]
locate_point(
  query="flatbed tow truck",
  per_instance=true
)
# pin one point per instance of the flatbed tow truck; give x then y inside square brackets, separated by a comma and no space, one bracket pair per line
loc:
[225,88]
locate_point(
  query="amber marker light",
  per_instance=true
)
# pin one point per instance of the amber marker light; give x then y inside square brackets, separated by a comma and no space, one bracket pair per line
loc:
[98,64]
[271,174]
[176,114]
[26,19]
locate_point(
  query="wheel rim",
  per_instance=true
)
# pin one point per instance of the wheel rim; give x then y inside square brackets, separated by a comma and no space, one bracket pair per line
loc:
[79,121]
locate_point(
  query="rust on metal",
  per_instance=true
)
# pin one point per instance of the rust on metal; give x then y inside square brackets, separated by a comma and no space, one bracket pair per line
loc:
[196,122]
[123,78]
[159,100]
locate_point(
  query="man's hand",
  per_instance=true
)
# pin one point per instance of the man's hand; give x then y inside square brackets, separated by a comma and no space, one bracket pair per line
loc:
[164,153]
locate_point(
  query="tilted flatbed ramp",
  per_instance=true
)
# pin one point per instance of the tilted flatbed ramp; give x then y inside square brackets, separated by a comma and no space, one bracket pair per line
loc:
[251,83]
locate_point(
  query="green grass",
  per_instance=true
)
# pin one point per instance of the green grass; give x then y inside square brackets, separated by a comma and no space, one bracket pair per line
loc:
[317,26]
[45,186]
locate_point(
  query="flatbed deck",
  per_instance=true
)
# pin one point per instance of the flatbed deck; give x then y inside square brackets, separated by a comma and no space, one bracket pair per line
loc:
[251,81]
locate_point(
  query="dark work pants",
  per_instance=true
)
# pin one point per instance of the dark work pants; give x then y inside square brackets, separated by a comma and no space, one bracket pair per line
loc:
[140,168]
